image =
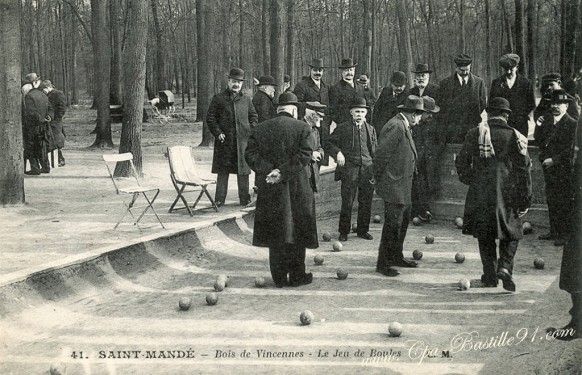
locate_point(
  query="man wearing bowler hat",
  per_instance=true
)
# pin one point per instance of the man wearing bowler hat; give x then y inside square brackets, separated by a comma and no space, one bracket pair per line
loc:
[343,93]
[279,151]
[494,162]
[230,118]
[555,139]
[287,83]
[462,98]
[352,144]
[394,168]
[264,99]
[364,90]
[517,90]
[390,98]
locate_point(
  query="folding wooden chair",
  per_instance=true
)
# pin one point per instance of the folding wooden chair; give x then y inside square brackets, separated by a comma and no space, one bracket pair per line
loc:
[134,189]
[183,173]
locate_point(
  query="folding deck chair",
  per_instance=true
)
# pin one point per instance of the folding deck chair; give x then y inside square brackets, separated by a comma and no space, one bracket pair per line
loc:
[134,189]
[183,173]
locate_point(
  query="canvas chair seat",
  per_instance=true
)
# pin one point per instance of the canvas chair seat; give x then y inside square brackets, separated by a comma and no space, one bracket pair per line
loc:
[183,174]
[133,188]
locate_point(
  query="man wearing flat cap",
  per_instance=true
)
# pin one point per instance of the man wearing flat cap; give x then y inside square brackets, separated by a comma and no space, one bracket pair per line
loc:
[518,91]
[264,99]
[462,98]
[230,118]
[314,115]
[352,144]
[555,139]
[343,93]
[390,98]
[550,83]
[364,90]
[394,168]
[279,151]
[494,162]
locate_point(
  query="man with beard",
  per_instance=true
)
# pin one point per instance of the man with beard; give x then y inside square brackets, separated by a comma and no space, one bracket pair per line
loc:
[313,116]
[517,90]
[390,98]
[555,138]
[230,117]
[462,98]
[343,93]
[264,99]
[550,83]
[422,84]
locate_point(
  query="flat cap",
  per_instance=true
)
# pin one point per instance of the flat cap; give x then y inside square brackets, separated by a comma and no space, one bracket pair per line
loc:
[463,60]
[509,60]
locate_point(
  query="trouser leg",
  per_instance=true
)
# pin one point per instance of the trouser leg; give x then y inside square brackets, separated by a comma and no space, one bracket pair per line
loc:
[61,157]
[296,262]
[396,219]
[488,253]
[243,188]
[279,264]
[348,192]
[221,187]
[507,250]
[365,195]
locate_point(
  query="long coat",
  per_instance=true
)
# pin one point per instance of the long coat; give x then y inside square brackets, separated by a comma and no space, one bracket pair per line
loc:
[394,162]
[461,107]
[233,117]
[264,105]
[520,97]
[37,108]
[341,97]
[59,103]
[314,165]
[432,90]
[285,212]
[499,186]
[387,107]
[556,141]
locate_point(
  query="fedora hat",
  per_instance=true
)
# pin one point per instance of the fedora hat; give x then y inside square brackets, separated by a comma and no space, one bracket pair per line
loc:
[364,80]
[398,78]
[463,60]
[288,98]
[413,103]
[359,102]
[500,104]
[317,107]
[317,64]
[347,63]
[422,68]
[237,74]
[31,77]
[561,96]
[267,80]
[430,104]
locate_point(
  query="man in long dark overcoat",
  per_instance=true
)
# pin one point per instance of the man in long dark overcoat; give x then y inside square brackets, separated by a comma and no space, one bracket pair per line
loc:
[343,93]
[390,98]
[462,98]
[230,118]
[59,103]
[264,98]
[394,167]
[279,151]
[555,138]
[495,164]
[37,134]
[517,90]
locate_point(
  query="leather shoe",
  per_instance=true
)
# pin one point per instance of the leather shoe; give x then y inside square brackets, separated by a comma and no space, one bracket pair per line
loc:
[45,170]
[32,173]
[61,163]
[307,279]
[545,237]
[489,281]
[506,279]
[343,237]
[427,216]
[390,272]
[403,262]
[560,242]
[366,236]
[219,203]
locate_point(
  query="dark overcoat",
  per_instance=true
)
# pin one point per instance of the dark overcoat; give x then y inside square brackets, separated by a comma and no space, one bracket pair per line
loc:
[285,212]
[341,97]
[370,96]
[461,106]
[36,108]
[59,103]
[556,141]
[343,139]
[520,97]
[570,274]
[264,105]
[432,90]
[499,186]
[314,165]
[387,107]
[234,117]
[394,162]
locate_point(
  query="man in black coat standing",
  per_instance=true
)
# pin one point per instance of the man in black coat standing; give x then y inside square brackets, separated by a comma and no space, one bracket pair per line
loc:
[264,99]
[59,103]
[495,164]
[555,137]
[38,113]
[352,144]
[279,151]
[390,98]
[517,90]
[551,82]
[462,98]
[343,93]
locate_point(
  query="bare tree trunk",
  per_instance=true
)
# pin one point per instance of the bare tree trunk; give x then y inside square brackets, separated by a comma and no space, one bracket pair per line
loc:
[290,37]
[531,41]
[11,145]
[507,27]
[462,39]
[405,55]
[102,66]
[160,82]
[204,22]
[569,33]
[519,37]
[277,42]
[265,33]
[367,49]
[488,41]
[134,69]
[115,94]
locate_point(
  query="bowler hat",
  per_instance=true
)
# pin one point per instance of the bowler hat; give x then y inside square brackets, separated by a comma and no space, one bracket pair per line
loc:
[237,74]
[317,107]
[413,103]
[463,60]
[509,60]
[317,64]
[347,63]
[430,104]
[500,104]
[422,68]
[398,78]
[552,77]
[267,80]
[288,98]
[31,77]
[364,80]
[561,96]
[286,78]
[359,102]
